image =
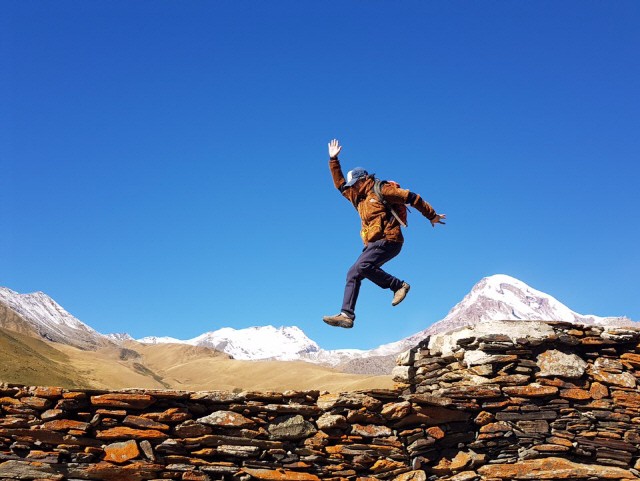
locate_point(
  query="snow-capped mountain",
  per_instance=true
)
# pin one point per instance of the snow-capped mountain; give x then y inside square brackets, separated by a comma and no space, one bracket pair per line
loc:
[252,343]
[48,319]
[262,343]
[502,297]
[283,343]
[119,337]
[160,340]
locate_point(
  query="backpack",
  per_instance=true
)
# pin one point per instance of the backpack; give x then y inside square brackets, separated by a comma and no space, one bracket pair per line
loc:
[399,211]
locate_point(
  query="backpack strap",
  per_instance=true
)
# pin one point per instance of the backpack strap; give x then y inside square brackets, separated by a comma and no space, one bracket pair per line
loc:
[377,189]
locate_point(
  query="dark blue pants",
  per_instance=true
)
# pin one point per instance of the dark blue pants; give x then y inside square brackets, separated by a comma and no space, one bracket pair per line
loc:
[374,255]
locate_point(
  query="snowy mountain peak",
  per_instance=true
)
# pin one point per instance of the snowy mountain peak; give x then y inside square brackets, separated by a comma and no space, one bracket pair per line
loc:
[286,343]
[48,319]
[119,337]
[252,343]
[497,280]
[37,306]
[160,340]
[502,297]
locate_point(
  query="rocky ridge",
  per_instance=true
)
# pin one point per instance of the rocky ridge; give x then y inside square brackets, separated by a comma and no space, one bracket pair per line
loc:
[494,402]
[39,315]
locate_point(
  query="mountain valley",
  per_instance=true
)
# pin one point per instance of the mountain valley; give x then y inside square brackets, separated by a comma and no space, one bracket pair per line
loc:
[43,344]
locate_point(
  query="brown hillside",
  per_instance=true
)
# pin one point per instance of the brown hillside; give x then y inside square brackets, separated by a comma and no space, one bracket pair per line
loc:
[196,368]
[27,359]
[11,320]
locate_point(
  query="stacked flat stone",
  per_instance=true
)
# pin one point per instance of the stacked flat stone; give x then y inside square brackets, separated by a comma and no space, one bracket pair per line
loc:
[543,400]
[497,402]
[57,434]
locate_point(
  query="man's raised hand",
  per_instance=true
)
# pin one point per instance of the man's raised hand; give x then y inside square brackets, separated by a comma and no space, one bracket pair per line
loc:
[437,219]
[334,149]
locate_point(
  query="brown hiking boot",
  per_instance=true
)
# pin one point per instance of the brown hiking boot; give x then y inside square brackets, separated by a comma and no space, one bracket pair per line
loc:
[400,294]
[341,320]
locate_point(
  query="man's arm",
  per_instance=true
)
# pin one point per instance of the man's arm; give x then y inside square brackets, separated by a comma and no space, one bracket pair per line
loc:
[334,165]
[336,171]
[394,194]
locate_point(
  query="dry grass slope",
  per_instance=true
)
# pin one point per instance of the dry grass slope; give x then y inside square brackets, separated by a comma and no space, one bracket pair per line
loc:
[25,359]
[200,368]
[31,361]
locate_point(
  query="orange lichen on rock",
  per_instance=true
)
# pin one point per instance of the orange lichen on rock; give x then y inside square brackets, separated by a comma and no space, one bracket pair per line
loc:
[129,433]
[128,401]
[280,474]
[531,390]
[121,452]
[552,468]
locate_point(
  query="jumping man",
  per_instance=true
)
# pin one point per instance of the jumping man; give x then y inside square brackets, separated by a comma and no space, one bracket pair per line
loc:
[380,232]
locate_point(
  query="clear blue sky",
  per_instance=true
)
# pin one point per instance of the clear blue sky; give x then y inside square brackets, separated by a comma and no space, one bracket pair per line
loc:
[165,170]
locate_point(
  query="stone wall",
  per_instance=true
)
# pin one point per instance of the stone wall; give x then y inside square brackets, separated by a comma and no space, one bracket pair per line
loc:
[535,401]
[542,400]
[56,434]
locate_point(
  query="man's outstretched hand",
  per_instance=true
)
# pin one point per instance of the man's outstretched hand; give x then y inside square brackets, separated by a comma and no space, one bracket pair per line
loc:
[437,219]
[334,149]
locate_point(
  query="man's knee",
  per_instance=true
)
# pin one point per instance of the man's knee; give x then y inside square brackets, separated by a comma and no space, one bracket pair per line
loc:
[364,268]
[354,272]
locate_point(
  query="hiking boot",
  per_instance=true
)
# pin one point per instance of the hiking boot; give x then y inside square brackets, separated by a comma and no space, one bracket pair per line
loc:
[341,320]
[400,294]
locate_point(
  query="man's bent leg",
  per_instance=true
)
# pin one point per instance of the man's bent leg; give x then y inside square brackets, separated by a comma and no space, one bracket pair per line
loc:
[368,266]
[381,253]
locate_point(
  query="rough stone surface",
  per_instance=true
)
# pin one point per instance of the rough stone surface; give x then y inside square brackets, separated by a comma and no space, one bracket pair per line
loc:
[556,363]
[227,419]
[412,476]
[129,401]
[130,433]
[28,470]
[553,468]
[393,411]
[331,421]
[349,400]
[280,474]
[444,344]
[402,373]
[370,431]
[121,452]
[290,427]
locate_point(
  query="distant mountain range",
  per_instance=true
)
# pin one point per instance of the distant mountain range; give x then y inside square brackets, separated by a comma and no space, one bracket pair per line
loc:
[498,297]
